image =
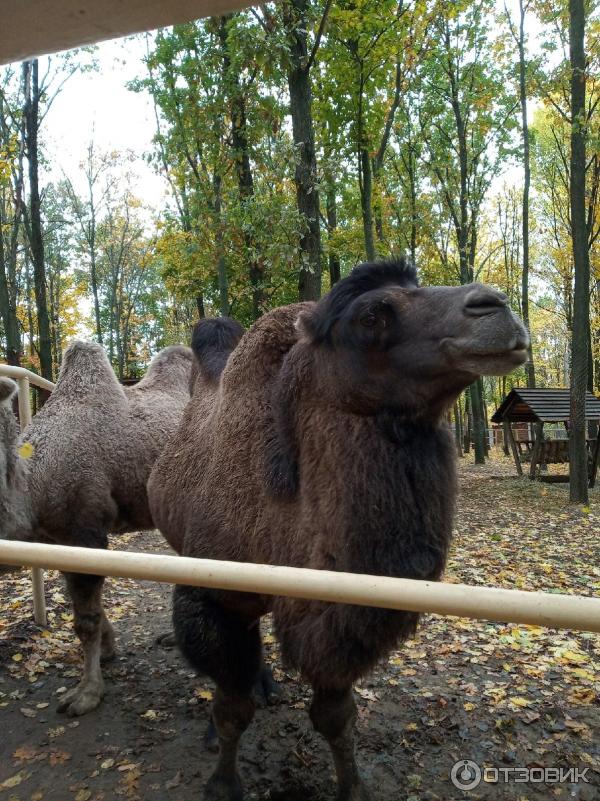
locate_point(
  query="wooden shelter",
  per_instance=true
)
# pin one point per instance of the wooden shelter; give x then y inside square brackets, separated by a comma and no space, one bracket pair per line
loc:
[538,407]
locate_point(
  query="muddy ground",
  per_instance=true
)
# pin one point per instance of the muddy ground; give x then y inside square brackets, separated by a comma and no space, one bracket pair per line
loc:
[504,696]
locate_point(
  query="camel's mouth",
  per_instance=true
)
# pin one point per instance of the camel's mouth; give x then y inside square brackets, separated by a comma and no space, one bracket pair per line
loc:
[489,359]
[518,354]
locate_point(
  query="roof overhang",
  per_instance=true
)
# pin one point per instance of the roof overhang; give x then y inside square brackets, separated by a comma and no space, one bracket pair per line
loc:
[33,27]
[548,405]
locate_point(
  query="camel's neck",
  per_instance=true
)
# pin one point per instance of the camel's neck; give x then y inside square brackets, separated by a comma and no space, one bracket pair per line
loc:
[387,501]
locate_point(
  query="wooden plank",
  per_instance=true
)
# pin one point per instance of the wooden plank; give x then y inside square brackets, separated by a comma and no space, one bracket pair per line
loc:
[537,448]
[33,27]
[513,446]
[594,470]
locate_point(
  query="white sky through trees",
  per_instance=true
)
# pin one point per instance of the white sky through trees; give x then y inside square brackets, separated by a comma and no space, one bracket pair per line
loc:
[98,105]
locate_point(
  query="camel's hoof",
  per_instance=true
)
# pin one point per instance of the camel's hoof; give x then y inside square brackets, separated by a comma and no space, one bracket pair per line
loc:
[266,691]
[166,640]
[107,655]
[220,789]
[81,699]
[211,738]
[358,792]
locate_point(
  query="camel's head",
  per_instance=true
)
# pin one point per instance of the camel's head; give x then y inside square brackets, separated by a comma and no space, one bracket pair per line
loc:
[387,343]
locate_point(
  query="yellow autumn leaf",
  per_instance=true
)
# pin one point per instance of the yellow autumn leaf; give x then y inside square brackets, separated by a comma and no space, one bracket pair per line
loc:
[469,706]
[17,657]
[13,781]
[572,656]
[582,673]
[26,450]
[520,701]
[207,695]
[582,695]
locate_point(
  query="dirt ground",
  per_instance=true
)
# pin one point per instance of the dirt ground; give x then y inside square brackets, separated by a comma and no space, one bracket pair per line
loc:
[504,696]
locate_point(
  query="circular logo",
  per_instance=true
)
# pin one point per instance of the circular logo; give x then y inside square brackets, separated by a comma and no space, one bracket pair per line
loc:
[465,774]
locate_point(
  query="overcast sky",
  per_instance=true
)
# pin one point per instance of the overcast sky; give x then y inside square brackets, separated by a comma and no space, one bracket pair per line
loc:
[98,104]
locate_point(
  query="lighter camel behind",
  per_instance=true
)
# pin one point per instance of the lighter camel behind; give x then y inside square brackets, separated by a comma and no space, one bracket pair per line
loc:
[83,475]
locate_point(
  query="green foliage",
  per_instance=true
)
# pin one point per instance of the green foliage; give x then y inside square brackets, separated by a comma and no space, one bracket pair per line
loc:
[416,115]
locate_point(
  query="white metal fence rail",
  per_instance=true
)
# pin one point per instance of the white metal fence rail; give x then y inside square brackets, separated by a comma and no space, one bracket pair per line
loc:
[24,378]
[487,603]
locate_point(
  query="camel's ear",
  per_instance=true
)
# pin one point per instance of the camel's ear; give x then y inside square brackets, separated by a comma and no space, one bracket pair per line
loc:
[7,388]
[307,324]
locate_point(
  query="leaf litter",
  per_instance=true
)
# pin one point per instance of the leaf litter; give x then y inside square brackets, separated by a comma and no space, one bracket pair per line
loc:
[498,693]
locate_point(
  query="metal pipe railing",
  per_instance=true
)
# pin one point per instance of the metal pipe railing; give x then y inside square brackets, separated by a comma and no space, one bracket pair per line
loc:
[24,378]
[487,603]
[20,372]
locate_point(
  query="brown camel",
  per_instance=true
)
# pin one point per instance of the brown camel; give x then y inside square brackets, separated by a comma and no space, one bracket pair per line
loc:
[322,445]
[92,446]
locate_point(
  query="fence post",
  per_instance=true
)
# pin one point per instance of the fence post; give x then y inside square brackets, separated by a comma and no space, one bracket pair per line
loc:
[37,573]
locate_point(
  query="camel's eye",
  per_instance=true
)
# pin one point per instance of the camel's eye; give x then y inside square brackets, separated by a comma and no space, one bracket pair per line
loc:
[369,320]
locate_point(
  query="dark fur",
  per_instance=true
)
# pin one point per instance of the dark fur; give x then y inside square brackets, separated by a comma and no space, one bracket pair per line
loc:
[213,339]
[322,446]
[362,279]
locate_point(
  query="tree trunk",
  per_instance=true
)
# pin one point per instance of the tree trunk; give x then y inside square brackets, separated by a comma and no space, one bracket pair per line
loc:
[222,281]
[241,157]
[478,422]
[466,232]
[458,429]
[578,460]
[8,260]
[529,366]
[486,422]
[307,194]
[366,202]
[334,259]
[31,114]
[413,205]
[8,313]
[468,423]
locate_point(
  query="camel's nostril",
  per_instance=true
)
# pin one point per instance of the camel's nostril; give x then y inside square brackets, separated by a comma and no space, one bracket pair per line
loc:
[482,300]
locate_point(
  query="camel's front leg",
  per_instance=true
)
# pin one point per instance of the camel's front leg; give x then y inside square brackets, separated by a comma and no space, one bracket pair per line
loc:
[227,648]
[333,713]
[95,634]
